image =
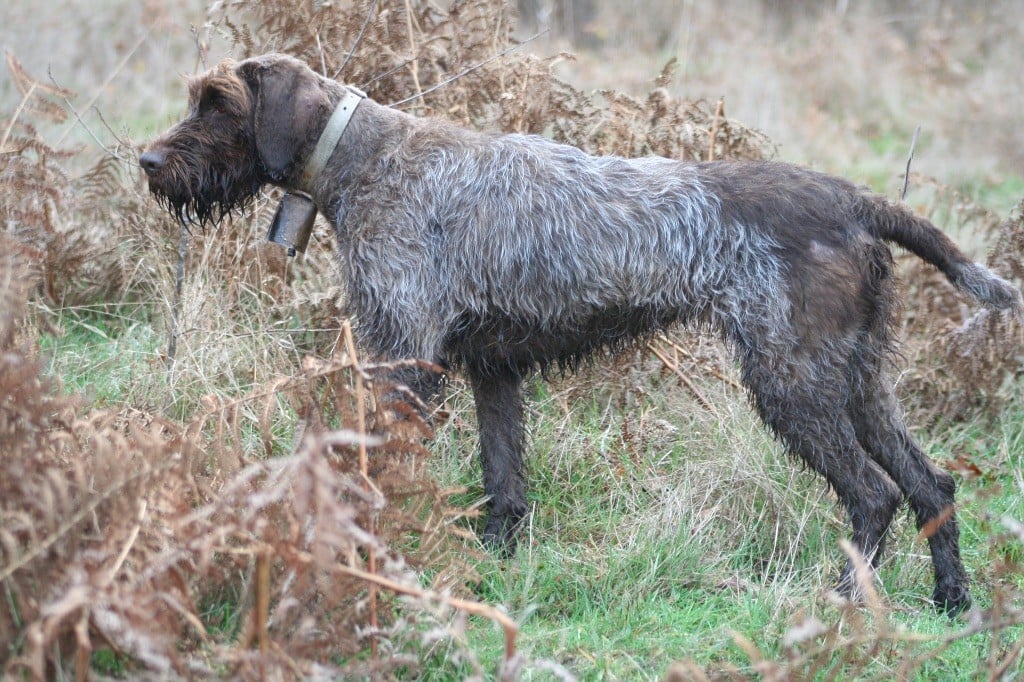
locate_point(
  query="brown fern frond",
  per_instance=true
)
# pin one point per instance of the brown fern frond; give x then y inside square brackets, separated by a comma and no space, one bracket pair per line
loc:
[401,50]
[964,358]
[37,97]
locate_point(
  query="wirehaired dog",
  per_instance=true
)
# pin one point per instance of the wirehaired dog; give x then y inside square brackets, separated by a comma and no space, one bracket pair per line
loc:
[502,254]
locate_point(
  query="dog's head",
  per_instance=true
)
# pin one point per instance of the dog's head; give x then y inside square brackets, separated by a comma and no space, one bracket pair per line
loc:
[249,123]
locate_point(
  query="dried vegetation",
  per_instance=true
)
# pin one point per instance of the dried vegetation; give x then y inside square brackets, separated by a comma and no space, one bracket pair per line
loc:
[280,479]
[962,357]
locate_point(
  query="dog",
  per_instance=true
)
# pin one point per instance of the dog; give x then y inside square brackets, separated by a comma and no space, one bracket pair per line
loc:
[503,254]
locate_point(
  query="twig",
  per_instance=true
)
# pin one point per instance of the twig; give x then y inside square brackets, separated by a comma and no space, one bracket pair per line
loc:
[320,51]
[81,630]
[932,525]
[81,121]
[99,91]
[12,606]
[112,573]
[350,346]
[701,400]
[710,370]
[263,600]
[415,66]
[999,670]
[366,22]
[200,51]
[17,113]
[179,279]
[716,122]
[473,608]
[910,157]
[131,159]
[469,70]
[399,67]
[186,614]
[864,576]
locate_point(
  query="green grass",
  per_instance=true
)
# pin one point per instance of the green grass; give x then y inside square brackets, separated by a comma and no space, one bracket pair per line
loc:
[1002,196]
[110,355]
[109,663]
[603,586]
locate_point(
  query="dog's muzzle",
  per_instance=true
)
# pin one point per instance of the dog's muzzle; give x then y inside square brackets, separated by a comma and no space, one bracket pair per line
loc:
[152,161]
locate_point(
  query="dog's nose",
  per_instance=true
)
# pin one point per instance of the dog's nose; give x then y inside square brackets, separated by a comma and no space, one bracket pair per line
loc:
[152,161]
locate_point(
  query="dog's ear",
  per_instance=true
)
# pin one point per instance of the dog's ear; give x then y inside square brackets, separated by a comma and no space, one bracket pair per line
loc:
[287,104]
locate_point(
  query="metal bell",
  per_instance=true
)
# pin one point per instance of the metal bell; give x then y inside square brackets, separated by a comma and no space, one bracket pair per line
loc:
[293,222]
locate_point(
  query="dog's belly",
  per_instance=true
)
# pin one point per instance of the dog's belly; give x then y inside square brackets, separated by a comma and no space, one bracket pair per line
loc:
[499,342]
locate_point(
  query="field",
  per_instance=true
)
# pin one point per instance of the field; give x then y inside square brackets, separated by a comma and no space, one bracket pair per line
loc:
[203,476]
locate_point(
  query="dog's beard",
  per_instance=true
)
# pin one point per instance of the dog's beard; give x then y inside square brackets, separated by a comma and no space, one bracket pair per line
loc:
[203,194]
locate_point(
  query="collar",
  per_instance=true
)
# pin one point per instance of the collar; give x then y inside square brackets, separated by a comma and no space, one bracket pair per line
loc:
[331,134]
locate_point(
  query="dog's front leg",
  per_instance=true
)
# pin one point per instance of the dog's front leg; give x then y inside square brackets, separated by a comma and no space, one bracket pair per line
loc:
[499,409]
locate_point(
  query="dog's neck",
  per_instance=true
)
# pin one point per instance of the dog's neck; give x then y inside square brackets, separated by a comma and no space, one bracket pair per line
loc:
[330,137]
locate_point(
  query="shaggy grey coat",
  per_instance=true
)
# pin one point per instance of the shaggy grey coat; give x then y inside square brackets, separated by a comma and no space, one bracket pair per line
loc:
[502,254]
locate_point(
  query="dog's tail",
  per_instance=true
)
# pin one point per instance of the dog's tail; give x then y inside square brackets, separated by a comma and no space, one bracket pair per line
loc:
[897,224]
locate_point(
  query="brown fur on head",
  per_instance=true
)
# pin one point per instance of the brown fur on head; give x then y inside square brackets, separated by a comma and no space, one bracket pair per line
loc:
[248,124]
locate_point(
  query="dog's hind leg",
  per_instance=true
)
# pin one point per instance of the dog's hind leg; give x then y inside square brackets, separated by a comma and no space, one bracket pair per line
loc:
[499,409]
[812,421]
[879,424]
